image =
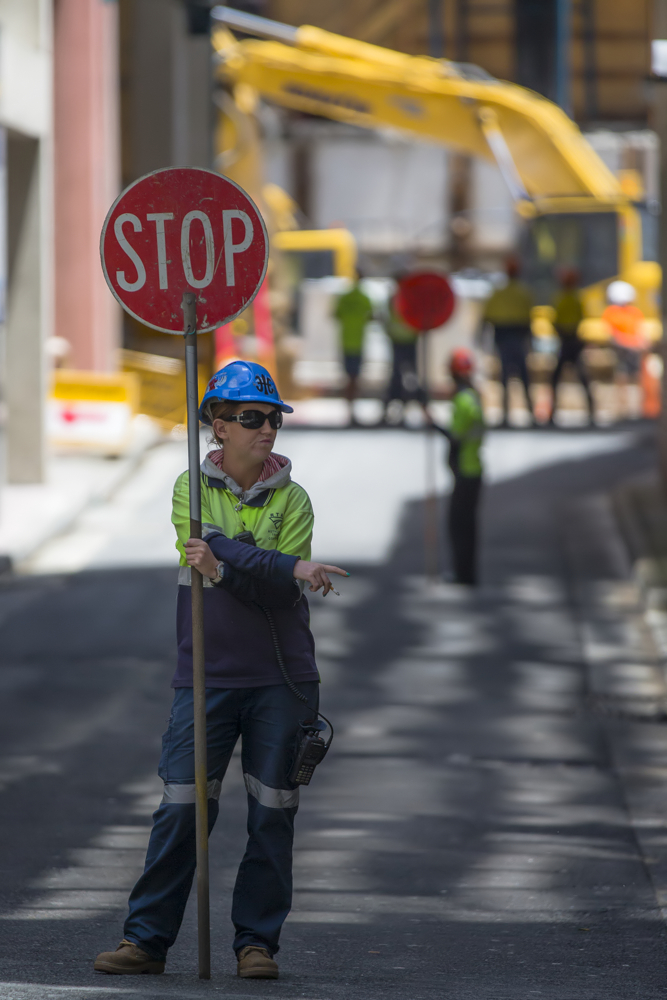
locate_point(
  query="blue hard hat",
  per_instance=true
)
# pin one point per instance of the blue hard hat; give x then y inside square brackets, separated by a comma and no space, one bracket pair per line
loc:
[241,382]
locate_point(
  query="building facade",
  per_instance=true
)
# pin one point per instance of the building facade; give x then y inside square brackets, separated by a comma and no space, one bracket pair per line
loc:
[26,229]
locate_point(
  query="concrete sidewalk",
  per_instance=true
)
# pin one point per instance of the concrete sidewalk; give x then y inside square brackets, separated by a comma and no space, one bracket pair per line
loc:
[32,515]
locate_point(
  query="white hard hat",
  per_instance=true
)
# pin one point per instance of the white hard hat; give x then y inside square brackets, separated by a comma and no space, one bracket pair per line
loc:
[621,293]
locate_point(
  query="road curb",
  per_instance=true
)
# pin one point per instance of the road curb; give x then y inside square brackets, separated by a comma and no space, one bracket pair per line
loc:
[640,509]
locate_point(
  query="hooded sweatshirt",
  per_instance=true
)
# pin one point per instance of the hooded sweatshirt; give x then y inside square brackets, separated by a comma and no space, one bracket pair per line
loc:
[239,650]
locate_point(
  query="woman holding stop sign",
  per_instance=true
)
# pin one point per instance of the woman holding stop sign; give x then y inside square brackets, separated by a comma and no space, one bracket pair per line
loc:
[255,558]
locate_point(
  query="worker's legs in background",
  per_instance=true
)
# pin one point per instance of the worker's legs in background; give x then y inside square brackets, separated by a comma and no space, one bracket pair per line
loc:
[462,527]
[582,372]
[506,372]
[628,369]
[409,370]
[522,367]
[512,349]
[352,364]
[555,379]
[403,384]
[395,386]
[571,351]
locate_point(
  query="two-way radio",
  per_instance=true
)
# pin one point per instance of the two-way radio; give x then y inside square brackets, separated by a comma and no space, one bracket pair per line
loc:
[312,750]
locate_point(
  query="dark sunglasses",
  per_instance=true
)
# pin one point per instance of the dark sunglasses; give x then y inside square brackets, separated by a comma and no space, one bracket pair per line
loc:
[252,420]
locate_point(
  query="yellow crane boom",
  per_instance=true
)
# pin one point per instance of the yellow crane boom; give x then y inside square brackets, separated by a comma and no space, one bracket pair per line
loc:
[461,106]
[576,210]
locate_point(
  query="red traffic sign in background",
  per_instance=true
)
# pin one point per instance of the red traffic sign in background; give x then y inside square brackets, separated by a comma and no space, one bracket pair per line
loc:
[179,230]
[424,300]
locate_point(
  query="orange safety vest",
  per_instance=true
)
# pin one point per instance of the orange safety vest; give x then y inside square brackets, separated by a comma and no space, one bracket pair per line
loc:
[626,326]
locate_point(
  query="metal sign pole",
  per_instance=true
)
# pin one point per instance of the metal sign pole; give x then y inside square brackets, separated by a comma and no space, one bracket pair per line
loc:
[659,116]
[425,301]
[430,506]
[189,306]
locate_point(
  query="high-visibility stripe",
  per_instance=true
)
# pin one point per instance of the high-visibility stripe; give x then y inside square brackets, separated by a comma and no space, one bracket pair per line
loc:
[206,529]
[185,578]
[273,798]
[185,794]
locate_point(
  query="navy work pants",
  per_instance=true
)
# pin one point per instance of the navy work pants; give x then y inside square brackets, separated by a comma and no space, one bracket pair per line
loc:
[267,719]
[404,384]
[571,349]
[513,344]
[462,525]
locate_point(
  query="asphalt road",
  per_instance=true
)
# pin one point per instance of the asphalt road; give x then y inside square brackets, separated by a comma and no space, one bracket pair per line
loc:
[478,830]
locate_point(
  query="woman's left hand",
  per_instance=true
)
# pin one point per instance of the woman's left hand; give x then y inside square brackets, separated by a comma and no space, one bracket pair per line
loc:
[199,555]
[316,574]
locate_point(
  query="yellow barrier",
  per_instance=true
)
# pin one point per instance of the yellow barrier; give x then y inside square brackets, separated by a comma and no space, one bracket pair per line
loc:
[92,411]
[161,383]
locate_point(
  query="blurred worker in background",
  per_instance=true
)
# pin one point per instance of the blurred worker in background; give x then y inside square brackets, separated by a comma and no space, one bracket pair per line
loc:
[353,311]
[625,322]
[569,314]
[465,435]
[508,310]
[404,381]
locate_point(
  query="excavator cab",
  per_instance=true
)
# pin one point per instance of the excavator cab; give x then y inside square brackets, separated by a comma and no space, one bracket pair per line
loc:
[587,242]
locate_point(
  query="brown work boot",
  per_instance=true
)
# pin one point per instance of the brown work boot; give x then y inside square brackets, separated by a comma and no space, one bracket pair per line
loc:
[127,960]
[256,963]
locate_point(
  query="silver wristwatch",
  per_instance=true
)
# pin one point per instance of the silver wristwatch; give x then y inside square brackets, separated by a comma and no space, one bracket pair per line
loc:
[220,568]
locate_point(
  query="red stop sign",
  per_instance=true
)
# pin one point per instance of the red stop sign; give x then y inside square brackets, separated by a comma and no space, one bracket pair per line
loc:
[179,230]
[424,300]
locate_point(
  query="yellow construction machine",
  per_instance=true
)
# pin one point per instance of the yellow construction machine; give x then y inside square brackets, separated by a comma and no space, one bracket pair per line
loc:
[575,212]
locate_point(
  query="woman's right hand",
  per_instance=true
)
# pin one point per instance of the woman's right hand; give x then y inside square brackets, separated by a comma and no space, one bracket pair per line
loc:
[316,574]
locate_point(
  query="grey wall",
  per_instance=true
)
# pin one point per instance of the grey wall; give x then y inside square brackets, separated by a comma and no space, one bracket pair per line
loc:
[165,89]
[26,308]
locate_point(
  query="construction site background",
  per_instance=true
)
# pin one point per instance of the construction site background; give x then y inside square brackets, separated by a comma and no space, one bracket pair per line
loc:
[99,94]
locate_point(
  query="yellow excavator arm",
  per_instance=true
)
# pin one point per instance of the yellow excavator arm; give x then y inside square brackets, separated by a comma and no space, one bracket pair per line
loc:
[540,151]
[578,214]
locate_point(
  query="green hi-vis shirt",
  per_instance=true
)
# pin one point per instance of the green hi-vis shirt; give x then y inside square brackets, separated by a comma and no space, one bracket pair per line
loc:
[467,431]
[510,306]
[353,311]
[569,312]
[283,520]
